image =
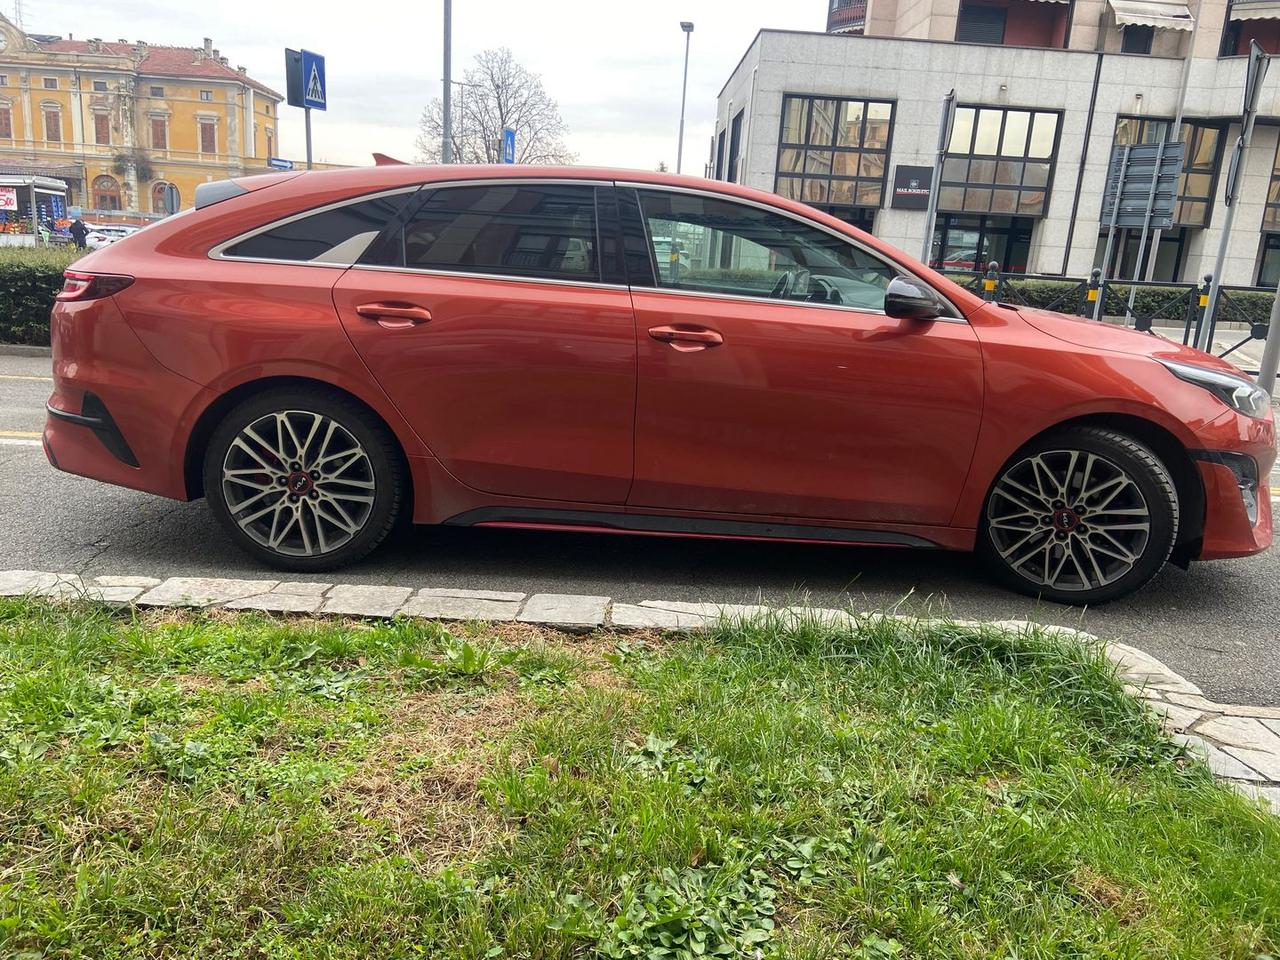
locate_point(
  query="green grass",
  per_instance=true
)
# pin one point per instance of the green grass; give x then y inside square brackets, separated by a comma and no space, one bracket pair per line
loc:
[199,786]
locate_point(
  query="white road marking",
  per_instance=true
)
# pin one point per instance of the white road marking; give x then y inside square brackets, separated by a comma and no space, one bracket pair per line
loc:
[16,376]
[15,442]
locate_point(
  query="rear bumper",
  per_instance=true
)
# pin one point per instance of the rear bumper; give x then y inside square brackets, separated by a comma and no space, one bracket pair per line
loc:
[116,414]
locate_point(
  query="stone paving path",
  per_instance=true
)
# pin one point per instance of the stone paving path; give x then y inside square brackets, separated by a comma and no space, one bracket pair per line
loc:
[1240,744]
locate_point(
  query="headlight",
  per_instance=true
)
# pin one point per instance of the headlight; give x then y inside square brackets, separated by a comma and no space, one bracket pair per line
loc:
[1236,392]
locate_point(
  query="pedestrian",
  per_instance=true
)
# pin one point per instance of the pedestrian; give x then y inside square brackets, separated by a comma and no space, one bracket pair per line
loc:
[78,232]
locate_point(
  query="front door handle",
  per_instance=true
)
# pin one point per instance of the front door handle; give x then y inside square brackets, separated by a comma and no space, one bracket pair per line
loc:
[687,338]
[394,316]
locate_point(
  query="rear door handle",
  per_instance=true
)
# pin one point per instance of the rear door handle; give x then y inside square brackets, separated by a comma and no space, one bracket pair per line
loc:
[687,338]
[394,316]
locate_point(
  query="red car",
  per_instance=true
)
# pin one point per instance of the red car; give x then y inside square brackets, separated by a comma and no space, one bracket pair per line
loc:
[322,355]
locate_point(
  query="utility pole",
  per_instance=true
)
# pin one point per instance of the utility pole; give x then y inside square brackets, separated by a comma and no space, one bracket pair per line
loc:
[687,27]
[446,144]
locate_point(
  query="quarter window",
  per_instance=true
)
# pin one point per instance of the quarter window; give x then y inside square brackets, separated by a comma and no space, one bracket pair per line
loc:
[523,230]
[718,246]
[337,235]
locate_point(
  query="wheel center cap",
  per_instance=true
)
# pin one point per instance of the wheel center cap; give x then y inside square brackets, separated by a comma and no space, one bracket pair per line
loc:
[1065,520]
[299,483]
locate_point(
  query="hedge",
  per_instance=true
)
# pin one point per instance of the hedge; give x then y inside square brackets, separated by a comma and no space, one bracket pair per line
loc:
[29,280]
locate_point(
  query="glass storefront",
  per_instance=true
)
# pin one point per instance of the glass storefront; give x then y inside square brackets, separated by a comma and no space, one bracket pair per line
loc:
[1199,171]
[964,242]
[1124,254]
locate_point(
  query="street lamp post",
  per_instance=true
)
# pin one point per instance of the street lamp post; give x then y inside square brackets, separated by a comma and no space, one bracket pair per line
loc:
[687,27]
[446,113]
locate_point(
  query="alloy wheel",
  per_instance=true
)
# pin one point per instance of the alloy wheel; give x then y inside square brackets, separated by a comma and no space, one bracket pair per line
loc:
[1069,520]
[298,483]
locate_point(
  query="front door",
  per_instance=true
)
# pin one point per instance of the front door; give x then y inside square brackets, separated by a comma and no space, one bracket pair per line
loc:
[771,382]
[489,326]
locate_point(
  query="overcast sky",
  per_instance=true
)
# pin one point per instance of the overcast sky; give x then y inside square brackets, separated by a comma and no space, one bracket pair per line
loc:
[613,65]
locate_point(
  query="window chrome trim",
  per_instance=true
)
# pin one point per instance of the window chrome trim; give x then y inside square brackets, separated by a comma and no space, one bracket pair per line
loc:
[506,277]
[959,316]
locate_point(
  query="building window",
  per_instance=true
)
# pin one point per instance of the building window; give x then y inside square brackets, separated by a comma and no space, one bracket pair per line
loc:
[101,129]
[966,242]
[159,193]
[719,173]
[1269,261]
[1170,256]
[51,83]
[6,122]
[159,133]
[157,91]
[735,148]
[271,143]
[833,153]
[267,109]
[99,86]
[52,125]
[206,95]
[1199,170]
[106,193]
[4,80]
[978,23]
[999,161]
[1137,38]
[208,136]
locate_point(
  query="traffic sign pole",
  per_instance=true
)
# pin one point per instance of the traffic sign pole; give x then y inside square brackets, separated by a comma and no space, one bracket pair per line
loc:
[306,120]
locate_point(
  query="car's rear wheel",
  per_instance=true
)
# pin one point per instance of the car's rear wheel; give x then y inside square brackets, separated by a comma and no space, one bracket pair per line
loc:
[304,479]
[1081,516]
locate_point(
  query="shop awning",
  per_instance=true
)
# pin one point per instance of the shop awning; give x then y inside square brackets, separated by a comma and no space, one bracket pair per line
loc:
[1152,13]
[1255,10]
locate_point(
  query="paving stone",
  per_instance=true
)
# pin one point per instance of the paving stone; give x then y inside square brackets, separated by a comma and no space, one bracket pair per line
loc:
[509,595]
[201,591]
[1174,717]
[17,583]
[274,602]
[1264,761]
[1221,764]
[442,606]
[66,586]
[358,601]
[1259,792]
[571,611]
[710,611]
[110,594]
[1241,732]
[1272,725]
[1142,669]
[301,588]
[146,583]
[632,616]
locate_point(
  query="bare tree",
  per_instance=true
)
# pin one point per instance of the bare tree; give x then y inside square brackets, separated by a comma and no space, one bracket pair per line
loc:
[496,93]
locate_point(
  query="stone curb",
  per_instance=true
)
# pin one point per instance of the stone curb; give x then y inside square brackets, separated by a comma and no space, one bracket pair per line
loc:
[23,350]
[1239,742]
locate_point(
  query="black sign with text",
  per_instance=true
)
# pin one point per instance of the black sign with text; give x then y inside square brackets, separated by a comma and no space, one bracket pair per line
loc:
[911,187]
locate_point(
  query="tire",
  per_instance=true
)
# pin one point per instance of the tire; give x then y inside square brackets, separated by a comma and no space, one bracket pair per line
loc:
[304,479]
[1039,542]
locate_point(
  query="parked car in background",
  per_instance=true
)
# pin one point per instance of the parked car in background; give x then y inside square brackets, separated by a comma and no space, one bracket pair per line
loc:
[323,355]
[102,235]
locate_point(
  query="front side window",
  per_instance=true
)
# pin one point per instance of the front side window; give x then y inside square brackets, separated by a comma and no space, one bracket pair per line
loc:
[546,231]
[718,246]
[337,235]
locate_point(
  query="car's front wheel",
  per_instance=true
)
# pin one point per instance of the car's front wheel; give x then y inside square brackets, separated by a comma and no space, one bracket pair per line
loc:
[304,479]
[1081,516]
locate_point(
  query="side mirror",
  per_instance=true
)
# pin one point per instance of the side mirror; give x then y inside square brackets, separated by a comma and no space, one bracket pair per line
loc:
[910,300]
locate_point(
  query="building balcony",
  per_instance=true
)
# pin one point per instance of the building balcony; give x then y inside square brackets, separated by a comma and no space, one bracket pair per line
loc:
[847,16]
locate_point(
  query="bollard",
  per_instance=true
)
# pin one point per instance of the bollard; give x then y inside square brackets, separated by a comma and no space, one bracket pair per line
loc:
[1202,301]
[1090,293]
[990,281]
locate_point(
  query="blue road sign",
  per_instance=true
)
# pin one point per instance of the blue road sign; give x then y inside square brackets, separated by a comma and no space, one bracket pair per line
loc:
[279,163]
[508,145]
[314,93]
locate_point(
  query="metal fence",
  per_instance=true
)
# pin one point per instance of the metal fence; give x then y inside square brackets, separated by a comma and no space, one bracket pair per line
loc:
[1140,303]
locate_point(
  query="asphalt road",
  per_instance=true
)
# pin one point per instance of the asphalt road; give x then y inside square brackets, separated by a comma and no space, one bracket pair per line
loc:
[1218,623]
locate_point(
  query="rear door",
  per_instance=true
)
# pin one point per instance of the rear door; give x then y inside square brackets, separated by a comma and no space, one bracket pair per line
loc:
[505,336]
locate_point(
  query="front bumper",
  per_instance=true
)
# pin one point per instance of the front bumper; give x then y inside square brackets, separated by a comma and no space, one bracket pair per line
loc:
[1237,520]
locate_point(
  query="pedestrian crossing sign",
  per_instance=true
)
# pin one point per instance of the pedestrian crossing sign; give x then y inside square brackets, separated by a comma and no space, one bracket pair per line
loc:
[314,94]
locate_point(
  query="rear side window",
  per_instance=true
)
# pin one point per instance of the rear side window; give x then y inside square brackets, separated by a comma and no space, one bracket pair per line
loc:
[546,231]
[337,235]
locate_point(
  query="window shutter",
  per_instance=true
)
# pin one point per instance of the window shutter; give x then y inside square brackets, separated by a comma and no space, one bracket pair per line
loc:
[979,24]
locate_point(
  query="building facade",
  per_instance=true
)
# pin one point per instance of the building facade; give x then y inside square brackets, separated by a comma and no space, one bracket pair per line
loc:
[849,121]
[124,124]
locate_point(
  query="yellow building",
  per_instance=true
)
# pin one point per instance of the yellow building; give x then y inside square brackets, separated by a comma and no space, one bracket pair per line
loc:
[120,122]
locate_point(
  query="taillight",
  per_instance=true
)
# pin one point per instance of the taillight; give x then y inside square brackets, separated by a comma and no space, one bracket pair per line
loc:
[91,286]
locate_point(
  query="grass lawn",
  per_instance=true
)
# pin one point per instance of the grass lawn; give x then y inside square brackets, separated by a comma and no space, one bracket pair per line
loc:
[184,785]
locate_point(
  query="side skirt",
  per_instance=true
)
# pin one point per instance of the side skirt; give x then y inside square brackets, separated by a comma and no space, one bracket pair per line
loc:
[587,521]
